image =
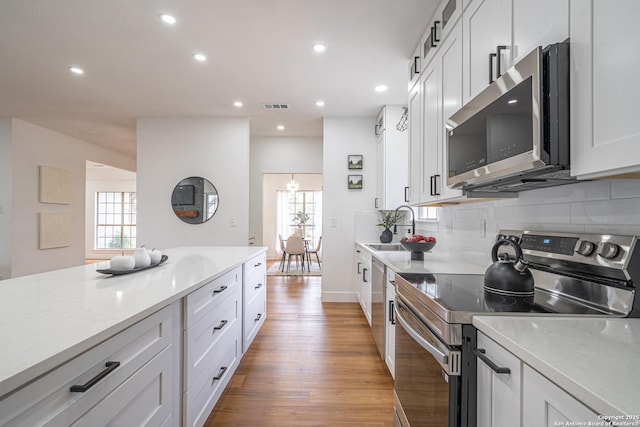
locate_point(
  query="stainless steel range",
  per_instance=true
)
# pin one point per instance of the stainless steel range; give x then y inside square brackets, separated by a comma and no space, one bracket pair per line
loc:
[574,275]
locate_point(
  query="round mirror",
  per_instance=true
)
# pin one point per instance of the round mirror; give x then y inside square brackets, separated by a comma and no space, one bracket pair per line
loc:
[194,200]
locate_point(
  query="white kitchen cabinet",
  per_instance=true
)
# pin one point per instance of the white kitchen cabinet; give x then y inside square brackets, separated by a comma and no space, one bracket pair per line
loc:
[415,142]
[136,391]
[441,86]
[499,32]
[546,404]
[363,281]
[486,25]
[254,298]
[390,322]
[498,390]
[393,160]
[605,133]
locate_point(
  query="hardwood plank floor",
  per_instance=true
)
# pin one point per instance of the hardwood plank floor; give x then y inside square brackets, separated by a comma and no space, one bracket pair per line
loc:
[312,364]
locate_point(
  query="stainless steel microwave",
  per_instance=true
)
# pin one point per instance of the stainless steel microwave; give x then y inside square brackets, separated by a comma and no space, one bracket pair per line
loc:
[514,135]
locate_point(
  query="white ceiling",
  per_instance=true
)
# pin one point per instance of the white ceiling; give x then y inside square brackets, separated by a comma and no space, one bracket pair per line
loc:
[259,51]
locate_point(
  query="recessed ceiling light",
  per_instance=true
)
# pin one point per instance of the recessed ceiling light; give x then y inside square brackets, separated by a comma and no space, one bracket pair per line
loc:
[76,70]
[237,104]
[320,103]
[200,57]
[168,19]
[319,47]
[280,127]
[381,88]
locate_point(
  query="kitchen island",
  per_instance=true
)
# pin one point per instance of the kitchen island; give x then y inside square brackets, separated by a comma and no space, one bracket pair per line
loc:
[48,319]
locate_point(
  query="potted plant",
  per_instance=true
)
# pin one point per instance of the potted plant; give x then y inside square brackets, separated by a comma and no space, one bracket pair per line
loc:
[387,220]
[299,220]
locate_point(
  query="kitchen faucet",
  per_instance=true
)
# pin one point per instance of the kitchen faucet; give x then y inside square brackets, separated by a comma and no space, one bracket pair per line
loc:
[413,219]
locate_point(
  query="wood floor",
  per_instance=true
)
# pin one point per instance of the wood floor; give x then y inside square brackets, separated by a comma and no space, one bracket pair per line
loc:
[312,364]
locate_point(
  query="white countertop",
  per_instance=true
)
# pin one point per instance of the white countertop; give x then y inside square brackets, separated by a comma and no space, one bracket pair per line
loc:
[48,318]
[434,262]
[596,360]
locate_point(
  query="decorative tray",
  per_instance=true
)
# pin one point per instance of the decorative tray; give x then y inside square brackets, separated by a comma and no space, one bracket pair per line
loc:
[163,259]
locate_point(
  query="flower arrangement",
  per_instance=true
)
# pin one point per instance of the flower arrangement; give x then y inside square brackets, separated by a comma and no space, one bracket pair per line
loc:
[389,218]
[300,218]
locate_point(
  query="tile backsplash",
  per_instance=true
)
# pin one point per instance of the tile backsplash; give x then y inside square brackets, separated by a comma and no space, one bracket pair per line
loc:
[603,206]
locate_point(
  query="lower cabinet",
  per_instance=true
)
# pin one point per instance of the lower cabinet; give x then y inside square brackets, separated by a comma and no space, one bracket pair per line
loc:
[546,404]
[255,298]
[363,281]
[390,322]
[511,393]
[126,380]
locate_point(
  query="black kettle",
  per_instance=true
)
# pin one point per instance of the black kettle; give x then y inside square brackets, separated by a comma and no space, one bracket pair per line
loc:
[508,277]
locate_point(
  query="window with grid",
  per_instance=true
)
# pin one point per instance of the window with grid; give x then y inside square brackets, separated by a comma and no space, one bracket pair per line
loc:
[115,220]
[300,213]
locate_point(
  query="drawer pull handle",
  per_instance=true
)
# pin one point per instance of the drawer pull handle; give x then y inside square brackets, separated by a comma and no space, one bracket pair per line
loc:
[257,265]
[220,289]
[221,325]
[220,374]
[109,367]
[480,352]
[258,317]
[258,286]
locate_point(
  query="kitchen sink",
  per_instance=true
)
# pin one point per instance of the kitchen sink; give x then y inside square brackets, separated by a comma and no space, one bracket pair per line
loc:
[385,247]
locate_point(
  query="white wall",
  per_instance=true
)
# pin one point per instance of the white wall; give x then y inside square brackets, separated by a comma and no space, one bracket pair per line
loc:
[31,147]
[607,206]
[171,149]
[278,155]
[352,210]
[271,184]
[6,156]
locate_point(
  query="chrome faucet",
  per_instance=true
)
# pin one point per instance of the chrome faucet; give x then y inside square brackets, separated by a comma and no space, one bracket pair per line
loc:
[413,220]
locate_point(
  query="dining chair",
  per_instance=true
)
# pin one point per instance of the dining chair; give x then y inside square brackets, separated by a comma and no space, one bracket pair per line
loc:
[315,251]
[284,252]
[295,247]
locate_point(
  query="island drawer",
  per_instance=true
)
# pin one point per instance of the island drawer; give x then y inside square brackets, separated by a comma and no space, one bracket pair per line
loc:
[255,277]
[209,296]
[254,316]
[93,376]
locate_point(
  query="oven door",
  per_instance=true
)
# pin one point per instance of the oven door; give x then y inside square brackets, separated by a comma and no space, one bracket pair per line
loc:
[427,383]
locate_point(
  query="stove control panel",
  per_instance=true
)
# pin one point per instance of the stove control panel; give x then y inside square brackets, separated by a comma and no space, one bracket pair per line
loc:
[551,244]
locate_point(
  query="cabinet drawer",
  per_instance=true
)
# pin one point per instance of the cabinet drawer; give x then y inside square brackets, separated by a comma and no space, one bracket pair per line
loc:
[144,399]
[202,397]
[254,316]
[201,301]
[256,265]
[255,282]
[49,401]
[204,338]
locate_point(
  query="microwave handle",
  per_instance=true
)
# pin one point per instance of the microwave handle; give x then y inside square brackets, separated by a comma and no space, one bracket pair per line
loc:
[499,50]
[492,55]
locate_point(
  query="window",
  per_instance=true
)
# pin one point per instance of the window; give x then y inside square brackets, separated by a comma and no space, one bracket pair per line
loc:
[428,214]
[300,213]
[115,220]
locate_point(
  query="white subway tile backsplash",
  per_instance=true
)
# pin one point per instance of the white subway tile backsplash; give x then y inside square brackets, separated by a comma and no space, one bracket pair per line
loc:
[466,215]
[625,188]
[611,212]
[581,191]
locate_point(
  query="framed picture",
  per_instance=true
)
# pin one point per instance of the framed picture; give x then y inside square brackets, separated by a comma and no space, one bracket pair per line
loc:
[355,161]
[354,182]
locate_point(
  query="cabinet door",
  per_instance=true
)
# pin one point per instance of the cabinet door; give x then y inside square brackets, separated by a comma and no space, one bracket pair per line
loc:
[390,321]
[605,132]
[431,125]
[498,393]
[486,25]
[545,404]
[538,23]
[450,63]
[380,201]
[415,141]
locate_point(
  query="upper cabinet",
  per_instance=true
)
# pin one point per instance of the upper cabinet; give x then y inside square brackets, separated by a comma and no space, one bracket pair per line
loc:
[605,133]
[497,33]
[443,21]
[415,142]
[393,155]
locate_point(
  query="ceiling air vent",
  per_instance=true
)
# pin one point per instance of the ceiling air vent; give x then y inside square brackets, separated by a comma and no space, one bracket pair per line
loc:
[275,106]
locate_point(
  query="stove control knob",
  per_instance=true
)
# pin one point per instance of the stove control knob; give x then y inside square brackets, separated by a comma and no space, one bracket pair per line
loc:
[514,238]
[608,250]
[500,237]
[585,247]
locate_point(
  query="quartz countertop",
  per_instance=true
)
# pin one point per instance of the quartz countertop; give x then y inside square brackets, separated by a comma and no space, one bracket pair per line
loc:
[48,318]
[434,262]
[595,360]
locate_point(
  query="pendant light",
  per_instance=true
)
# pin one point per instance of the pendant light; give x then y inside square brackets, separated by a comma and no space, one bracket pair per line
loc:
[292,186]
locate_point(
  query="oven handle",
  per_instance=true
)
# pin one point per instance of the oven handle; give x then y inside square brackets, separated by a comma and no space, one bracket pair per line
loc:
[427,339]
